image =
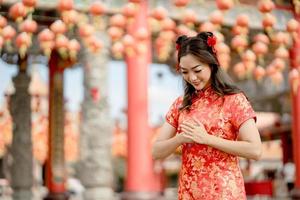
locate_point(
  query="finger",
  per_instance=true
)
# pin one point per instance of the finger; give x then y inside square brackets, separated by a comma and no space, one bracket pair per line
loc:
[186,128]
[198,121]
[187,135]
[186,123]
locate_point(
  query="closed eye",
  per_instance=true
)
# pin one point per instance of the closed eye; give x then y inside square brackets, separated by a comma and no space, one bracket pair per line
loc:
[198,71]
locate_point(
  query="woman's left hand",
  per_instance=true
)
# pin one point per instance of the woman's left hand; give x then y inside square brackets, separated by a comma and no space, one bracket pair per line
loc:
[196,131]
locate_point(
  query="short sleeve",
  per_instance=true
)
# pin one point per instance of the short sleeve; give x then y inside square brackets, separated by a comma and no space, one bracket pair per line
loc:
[241,110]
[173,113]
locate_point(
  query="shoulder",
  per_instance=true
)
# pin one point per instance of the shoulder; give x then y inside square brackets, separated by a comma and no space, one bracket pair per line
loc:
[237,97]
[237,100]
[178,101]
[176,104]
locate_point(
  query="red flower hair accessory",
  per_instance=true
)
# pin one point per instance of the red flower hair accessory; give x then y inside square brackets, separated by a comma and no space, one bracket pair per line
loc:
[177,46]
[211,41]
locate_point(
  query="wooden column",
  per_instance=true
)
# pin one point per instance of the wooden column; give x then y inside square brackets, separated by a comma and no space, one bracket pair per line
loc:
[55,164]
[295,99]
[141,182]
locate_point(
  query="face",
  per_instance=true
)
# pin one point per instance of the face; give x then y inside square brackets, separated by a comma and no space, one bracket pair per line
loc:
[195,72]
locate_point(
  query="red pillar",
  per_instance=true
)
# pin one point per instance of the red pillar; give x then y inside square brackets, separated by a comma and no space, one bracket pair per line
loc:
[140,180]
[55,165]
[295,98]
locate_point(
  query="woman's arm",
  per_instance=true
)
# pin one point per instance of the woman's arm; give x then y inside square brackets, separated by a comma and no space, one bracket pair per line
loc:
[167,142]
[248,145]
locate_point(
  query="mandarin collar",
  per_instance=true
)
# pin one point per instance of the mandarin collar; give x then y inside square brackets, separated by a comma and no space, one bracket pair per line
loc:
[204,92]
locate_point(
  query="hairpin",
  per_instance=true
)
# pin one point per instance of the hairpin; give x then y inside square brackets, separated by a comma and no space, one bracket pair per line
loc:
[211,41]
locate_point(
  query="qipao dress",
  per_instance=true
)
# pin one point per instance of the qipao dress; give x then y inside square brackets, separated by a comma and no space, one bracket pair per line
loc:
[208,173]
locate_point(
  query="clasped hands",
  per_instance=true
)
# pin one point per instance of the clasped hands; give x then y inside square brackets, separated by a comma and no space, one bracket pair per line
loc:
[193,132]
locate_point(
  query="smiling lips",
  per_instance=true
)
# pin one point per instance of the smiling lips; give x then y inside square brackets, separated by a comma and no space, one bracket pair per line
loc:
[196,83]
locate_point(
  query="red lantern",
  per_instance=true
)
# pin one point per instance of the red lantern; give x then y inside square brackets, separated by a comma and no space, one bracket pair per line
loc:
[206,26]
[242,20]
[73,48]
[271,70]
[279,64]
[221,48]
[8,32]
[168,25]
[239,70]
[118,50]
[29,3]
[129,43]
[129,10]
[261,38]
[181,3]
[94,44]
[268,20]
[182,30]
[224,4]
[260,48]
[97,8]
[46,39]
[282,53]
[70,17]
[115,33]
[23,41]
[294,80]
[292,25]
[258,73]
[189,17]
[65,5]
[220,37]
[46,35]
[239,43]
[281,38]
[249,56]
[168,36]
[58,27]
[159,13]
[117,20]
[249,65]
[141,34]
[224,60]
[17,11]
[239,30]
[29,26]
[216,17]
[61,44]
[266,6]
[86,30]
[3,22]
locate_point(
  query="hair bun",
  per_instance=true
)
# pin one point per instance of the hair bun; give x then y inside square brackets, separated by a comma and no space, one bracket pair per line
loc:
[180,39]
[204,35]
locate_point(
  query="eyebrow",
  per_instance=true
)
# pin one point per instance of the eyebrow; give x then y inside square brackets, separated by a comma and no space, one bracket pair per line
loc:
[193,67]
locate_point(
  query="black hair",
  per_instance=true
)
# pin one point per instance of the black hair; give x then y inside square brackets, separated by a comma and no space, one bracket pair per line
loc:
[199,47]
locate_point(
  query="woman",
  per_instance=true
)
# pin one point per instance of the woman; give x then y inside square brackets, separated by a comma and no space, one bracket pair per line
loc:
[213,123]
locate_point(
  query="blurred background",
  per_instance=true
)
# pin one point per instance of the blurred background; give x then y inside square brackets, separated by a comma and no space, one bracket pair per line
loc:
[85,86]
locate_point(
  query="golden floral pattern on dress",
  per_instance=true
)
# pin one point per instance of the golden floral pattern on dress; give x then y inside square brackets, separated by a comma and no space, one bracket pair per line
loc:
[208,173]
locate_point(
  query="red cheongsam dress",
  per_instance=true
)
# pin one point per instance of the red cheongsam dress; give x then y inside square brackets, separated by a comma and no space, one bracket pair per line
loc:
[208,173]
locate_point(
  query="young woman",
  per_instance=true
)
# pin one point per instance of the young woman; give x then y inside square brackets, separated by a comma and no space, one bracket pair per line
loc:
[213,123]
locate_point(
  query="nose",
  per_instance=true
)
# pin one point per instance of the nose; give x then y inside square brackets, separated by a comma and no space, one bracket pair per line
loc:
[192,77]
